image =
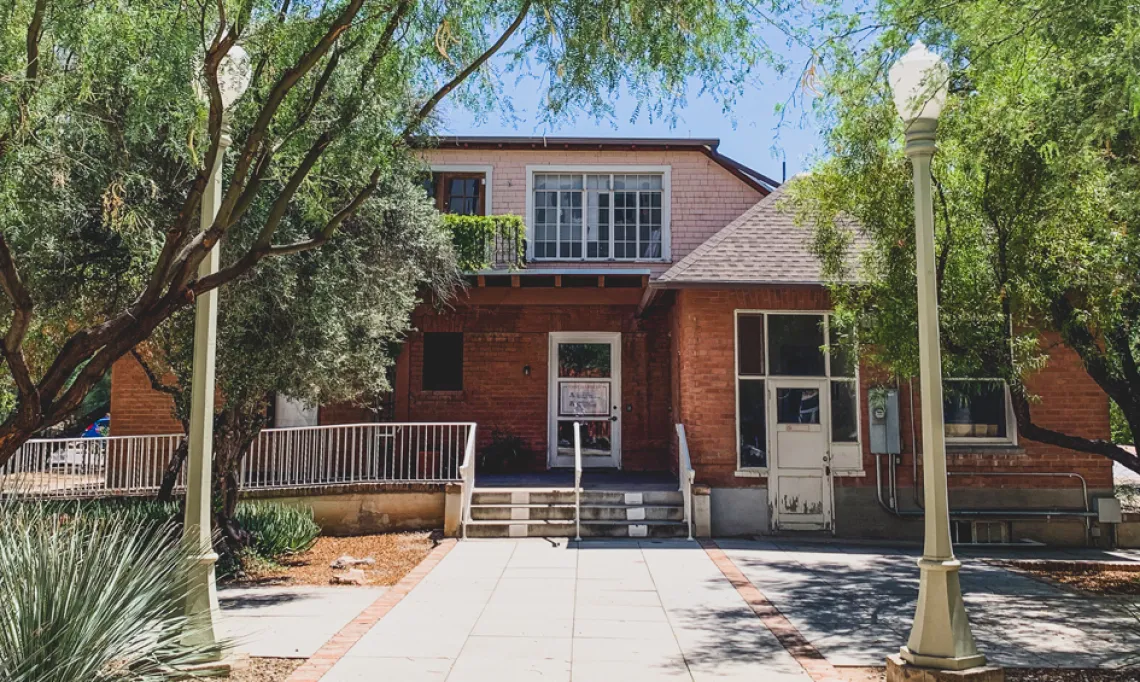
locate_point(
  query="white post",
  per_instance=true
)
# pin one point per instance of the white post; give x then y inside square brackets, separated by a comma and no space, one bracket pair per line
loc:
[941,636]
[202,597]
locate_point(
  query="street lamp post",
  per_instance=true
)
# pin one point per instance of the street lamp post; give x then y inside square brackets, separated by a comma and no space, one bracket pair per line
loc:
[940,637]
[202,596]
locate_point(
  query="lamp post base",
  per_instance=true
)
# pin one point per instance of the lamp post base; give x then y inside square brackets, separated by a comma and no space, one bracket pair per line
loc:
[202,609]
[940,637]
[899,670]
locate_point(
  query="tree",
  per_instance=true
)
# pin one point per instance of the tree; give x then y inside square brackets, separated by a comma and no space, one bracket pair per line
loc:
[104,146]
[322,327]
[1036,194]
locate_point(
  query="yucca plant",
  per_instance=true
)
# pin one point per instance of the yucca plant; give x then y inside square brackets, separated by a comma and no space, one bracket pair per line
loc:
[277,530]
[90,597]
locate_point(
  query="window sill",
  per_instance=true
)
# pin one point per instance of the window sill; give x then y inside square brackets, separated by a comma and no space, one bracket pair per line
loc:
[984,449]
[751,473]
[855,473]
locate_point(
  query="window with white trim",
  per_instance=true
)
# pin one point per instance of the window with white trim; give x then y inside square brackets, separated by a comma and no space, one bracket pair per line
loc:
[977,411]
[598,216]
[779,344]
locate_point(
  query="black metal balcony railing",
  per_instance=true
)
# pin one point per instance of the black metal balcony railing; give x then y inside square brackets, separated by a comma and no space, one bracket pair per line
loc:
[488,242]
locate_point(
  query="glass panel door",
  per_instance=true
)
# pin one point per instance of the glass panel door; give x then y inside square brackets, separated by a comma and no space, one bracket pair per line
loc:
[585,385]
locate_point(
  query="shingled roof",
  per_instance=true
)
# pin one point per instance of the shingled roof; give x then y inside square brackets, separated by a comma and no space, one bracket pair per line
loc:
[763,246]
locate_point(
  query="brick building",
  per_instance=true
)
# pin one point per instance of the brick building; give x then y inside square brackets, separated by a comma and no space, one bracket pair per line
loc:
[665,284]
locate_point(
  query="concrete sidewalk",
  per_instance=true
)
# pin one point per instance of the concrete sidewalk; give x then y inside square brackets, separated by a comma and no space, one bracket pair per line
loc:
[856,604]
[543,610]
[289,622]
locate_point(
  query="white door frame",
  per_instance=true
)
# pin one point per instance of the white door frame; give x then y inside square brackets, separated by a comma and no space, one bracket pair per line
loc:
[614,339]
[826,521]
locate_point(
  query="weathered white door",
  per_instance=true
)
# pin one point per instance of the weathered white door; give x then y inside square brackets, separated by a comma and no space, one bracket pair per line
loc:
[799,473]
[585,387]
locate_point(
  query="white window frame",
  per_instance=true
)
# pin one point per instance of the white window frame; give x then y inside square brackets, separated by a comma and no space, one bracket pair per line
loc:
[767,376]
[1010,438]
[488,174]
[593,169]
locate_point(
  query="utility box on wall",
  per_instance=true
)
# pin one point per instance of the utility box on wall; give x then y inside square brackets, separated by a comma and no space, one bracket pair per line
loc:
[884,409]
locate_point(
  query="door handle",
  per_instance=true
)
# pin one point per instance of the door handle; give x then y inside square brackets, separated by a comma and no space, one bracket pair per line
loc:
[613,418]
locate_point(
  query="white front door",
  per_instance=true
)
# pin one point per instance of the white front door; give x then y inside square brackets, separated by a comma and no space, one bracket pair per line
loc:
[585,387]
[799,476]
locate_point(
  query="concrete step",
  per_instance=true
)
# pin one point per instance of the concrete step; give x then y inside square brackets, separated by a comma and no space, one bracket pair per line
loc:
[507,496]
[567,529]
[615,512]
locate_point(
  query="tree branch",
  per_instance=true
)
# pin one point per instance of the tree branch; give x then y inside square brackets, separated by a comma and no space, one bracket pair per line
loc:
[22,309]
[1028,429]
[434,100]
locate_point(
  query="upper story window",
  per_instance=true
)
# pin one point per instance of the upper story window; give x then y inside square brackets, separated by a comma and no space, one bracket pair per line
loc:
[977,411]
[599,216]
[461,193]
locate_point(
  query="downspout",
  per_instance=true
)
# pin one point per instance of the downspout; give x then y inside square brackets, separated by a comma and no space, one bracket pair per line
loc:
[914,454]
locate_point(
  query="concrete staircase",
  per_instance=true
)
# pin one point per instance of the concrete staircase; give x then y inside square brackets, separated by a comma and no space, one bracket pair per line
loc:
[549,512]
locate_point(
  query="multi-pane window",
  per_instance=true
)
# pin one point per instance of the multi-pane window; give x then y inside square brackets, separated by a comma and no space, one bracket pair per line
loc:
[771,345]
[977,411]
[457,193]
[598,216]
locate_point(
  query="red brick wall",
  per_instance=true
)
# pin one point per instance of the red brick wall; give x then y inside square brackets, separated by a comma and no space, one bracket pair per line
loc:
[136,408]
[704,362]
[499,341]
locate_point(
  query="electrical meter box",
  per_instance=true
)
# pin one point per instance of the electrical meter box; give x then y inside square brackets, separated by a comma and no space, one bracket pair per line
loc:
[884,404]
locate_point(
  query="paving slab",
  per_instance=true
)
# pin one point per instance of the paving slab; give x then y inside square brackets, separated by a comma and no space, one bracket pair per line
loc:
[530,609]
[856,604]
[289,622]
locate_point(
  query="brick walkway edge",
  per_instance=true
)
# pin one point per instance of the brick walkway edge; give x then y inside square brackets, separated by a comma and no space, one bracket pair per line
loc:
[789,637]
[335,649]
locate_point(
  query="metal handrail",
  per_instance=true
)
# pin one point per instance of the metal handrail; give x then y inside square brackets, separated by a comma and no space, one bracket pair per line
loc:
[687,475]
[467,475]
[577,482]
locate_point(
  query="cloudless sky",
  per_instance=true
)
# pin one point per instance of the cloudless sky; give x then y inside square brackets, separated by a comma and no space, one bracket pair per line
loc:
[751,132]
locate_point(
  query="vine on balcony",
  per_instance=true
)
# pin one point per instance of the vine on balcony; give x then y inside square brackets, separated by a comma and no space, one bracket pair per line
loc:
[484,242]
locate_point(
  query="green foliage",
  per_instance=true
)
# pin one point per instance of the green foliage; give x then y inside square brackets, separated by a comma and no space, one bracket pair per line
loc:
[1036,181]
[1121,433]
[278,529]
[483,241]
[507,452]
[89,597]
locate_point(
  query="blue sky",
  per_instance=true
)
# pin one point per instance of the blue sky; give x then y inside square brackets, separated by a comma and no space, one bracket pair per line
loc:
[751,132]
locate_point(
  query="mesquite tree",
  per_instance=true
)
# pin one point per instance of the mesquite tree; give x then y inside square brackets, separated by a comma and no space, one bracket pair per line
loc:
[1036,201]
[105,144]
[321,327]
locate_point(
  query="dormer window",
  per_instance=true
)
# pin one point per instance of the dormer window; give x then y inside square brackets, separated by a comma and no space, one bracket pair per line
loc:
[592,215]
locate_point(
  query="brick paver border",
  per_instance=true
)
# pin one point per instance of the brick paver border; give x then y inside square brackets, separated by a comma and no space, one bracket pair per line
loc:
[813,662]
[338,645]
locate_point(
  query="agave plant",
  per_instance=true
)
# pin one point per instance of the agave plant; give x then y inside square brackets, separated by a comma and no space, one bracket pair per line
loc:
[90,597]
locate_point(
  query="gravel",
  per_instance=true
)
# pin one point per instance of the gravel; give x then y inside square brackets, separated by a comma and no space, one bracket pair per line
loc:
[266,670]
[396,554]
[852,674]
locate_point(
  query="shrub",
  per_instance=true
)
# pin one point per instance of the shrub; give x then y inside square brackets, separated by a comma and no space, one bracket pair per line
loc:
[277,529]
[89,597]
[506,453]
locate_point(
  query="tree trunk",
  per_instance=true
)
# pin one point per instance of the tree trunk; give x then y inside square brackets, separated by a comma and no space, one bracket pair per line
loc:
[173,468]
[233,437]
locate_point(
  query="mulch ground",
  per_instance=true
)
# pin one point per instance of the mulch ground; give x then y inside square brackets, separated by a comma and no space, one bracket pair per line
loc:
[853,674]
[1094,582]
[266,670]
[396,554]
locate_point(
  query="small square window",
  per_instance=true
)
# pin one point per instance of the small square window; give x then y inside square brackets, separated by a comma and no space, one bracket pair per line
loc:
[795,345]
[443,361]
[976,410]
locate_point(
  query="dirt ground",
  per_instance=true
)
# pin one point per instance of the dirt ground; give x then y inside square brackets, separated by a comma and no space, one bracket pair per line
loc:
[853,674]
[396,554]
[266,670]
[1095,582]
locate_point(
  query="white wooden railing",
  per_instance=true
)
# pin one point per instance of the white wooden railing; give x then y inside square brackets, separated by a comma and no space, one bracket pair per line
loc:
[686,474]
[577,481]
[302,457]
[89,467]
[467,476]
